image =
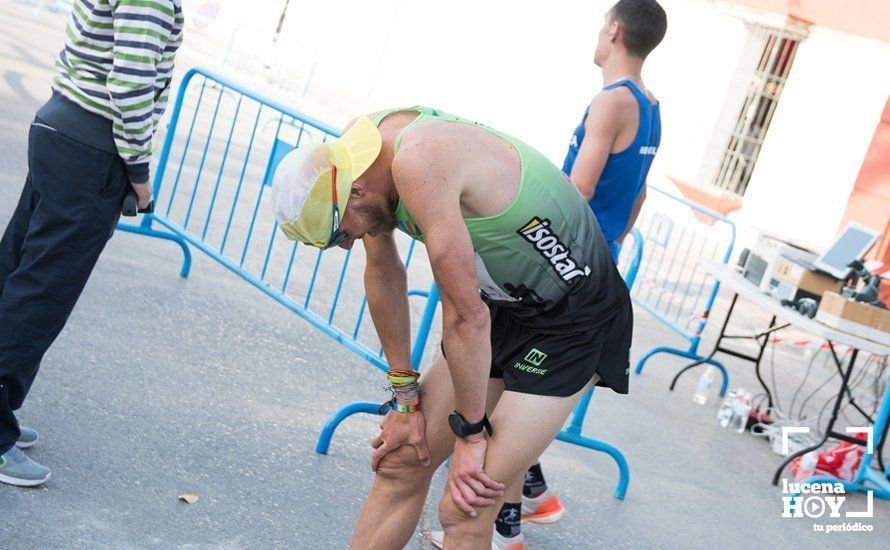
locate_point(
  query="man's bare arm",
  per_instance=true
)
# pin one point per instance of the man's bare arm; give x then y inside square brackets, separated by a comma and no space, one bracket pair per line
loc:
[387,289]
[386,285]
[428,187]
[604,122]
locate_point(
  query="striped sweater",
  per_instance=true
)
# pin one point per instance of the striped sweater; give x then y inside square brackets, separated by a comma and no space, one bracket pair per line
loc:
[118,63]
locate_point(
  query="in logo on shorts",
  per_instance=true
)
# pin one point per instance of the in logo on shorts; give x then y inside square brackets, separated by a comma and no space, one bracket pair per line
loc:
[535,357]
[539,233]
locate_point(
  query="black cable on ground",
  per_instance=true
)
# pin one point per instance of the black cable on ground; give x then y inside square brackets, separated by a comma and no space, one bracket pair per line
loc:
[772,373]
[803,382]
[757,402]
[813,394]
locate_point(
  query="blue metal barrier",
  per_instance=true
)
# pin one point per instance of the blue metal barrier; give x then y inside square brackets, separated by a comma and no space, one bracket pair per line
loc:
[55,6]
[630,259]
[673,287]
[221,147]
[629,263]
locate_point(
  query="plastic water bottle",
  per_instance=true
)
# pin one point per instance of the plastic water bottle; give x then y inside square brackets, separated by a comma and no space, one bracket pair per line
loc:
[724,414]
[742,411]
[703,392]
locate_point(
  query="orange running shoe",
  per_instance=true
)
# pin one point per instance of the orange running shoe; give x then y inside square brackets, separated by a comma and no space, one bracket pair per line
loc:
[498,541]
[544,508]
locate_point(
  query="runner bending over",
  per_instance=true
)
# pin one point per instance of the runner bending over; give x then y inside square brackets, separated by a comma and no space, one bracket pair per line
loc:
[534,309]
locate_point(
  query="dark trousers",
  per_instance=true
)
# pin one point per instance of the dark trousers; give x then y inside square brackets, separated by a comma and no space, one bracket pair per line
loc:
[67,212]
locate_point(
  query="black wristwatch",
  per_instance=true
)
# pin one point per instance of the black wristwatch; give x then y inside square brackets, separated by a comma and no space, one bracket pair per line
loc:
[462,428]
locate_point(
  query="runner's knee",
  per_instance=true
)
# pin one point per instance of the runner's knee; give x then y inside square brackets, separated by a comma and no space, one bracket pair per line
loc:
[449,514]
[403,465]
[452,518]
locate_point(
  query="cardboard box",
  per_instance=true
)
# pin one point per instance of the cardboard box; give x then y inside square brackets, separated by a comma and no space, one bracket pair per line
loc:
[792,280]
[857,318]
[883,320]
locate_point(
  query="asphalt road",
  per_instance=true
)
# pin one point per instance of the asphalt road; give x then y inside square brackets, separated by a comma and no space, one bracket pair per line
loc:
[161,386]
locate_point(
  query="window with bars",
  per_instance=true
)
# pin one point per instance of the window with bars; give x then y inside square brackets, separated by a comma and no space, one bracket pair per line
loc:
[760,101]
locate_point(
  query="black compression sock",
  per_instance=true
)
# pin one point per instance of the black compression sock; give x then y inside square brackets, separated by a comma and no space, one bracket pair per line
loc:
[507,523]
[534,483]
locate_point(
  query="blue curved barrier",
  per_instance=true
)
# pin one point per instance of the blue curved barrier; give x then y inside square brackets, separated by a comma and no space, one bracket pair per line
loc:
[672,286]
[220,150]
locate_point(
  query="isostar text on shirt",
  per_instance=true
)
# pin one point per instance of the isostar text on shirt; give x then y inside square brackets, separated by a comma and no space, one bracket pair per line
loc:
[539,233]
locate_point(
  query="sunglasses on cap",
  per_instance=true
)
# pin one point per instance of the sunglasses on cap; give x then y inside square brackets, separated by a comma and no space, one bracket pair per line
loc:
[337,236]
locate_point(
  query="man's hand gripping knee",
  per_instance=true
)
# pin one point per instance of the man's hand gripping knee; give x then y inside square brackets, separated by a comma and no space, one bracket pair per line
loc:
[398,429]
[469,486]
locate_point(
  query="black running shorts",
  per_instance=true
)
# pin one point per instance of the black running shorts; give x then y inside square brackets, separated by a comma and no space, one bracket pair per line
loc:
[561,364]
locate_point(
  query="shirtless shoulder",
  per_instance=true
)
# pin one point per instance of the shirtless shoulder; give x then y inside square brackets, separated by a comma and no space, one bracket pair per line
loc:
[427,161]
[617,111]
[428,146]
[617,102]
[479,169]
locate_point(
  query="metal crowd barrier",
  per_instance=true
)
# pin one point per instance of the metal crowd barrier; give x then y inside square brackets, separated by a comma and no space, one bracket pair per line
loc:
[219,154]
[55,6]
[220,151]
[629,264]
[672,286]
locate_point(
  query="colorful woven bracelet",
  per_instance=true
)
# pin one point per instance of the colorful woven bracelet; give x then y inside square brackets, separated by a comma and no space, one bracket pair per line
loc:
[409,373]
[398,407]
[401,380]
[402,376]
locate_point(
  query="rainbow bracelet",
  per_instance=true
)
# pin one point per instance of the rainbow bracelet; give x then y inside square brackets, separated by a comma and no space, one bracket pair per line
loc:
[398,407]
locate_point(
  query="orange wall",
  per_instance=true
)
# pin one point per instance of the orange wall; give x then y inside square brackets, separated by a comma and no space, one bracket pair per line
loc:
[868,18]
[869,202]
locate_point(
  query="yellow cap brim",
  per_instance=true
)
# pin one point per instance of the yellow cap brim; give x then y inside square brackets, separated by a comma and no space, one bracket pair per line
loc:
[352,154]
[357,149]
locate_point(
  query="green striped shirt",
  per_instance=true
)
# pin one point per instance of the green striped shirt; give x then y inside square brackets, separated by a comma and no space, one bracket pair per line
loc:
[118,63]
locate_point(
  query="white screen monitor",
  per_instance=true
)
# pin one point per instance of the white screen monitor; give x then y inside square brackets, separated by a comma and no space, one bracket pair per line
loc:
[852,244]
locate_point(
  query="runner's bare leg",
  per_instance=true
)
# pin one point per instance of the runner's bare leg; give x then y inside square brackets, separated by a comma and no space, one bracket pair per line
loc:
[524,425]
[391,512]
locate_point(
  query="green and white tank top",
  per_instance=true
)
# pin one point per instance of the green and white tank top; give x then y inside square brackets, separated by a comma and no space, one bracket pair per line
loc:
[543,248]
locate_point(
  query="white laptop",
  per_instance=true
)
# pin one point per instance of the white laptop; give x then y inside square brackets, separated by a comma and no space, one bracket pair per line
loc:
[852,244]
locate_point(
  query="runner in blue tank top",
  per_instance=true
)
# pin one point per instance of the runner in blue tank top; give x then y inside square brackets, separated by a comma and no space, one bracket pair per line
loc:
[620,190]
[608,160]
[612,149]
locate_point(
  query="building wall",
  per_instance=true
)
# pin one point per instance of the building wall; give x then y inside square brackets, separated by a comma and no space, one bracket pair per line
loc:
[867,18]
[870,200]
[749,51]
[694,72]
[818,138]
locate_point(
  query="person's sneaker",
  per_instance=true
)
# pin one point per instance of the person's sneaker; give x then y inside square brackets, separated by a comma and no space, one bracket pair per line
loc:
[544,508]
[19,470]
[498,541]
[27,438]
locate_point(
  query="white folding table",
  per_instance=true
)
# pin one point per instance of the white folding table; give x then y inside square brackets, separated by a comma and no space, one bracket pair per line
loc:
[736,282]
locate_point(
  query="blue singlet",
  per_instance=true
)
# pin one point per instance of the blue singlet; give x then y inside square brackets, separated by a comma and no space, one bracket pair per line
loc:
[624,174]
